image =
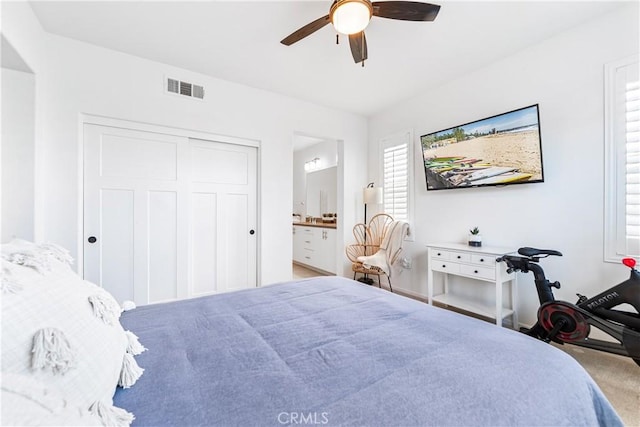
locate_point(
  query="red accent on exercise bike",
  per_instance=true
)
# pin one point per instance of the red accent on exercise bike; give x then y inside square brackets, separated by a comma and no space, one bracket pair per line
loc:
[575,327]
[629,262]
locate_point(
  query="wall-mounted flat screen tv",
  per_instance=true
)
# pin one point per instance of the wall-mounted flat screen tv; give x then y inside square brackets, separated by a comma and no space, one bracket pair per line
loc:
[499,150]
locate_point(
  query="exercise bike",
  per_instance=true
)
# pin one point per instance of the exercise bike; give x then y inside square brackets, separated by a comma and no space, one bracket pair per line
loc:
[564,322]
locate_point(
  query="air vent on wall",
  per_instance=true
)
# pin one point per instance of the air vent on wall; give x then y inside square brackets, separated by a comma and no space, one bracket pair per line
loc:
[184,88]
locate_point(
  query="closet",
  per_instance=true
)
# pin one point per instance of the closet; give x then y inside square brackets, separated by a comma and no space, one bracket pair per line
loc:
[167,216]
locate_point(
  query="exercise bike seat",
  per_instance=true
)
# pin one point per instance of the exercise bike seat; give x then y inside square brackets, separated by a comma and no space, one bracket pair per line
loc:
[530,252]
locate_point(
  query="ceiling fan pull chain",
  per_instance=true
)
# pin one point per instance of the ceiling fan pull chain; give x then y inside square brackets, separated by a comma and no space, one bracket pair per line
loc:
[337,38]
[363,63]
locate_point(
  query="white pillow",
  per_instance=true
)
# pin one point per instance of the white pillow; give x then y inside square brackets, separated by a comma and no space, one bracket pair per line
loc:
[45,258]
[63,331]
[27,402]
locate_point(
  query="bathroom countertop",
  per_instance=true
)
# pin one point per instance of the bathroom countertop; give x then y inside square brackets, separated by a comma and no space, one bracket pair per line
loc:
[316,224]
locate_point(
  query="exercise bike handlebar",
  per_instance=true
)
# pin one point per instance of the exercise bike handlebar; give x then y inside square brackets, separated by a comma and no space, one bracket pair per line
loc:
[526,262]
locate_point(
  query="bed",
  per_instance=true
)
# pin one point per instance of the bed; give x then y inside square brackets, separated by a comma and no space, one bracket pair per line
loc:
[332,351]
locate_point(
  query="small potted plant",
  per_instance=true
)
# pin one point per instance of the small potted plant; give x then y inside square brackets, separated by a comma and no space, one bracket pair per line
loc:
[475,239]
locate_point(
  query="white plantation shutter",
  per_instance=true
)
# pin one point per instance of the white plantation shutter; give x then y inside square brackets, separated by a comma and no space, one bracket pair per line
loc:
[622,174]
[396,181]
[396,173]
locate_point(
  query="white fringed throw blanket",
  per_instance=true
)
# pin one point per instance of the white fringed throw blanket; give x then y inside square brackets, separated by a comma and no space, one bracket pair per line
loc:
[389,249]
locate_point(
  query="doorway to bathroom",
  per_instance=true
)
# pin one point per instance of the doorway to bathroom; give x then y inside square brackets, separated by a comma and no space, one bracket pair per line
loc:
[315,206]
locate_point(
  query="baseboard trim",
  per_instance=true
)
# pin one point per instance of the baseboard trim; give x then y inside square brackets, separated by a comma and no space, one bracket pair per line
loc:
[411,294]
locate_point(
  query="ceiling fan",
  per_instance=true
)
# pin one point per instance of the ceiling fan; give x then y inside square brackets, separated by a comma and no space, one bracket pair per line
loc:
[351,17]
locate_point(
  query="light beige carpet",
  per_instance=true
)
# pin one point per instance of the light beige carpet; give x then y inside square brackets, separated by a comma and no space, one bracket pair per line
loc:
[618,377]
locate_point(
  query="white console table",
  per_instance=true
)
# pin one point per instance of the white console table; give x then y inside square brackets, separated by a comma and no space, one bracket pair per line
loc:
[477,263]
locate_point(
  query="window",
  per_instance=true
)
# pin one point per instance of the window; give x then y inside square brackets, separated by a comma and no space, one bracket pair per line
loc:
[622,157]
[396,174]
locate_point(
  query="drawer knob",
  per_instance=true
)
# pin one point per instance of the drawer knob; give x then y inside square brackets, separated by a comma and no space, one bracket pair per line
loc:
[475,271]
[444,266]
[439,254]
[459,256]
[481,259]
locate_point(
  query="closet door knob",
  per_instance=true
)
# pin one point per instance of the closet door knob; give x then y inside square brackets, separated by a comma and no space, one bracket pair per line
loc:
[252,232]
[92,239]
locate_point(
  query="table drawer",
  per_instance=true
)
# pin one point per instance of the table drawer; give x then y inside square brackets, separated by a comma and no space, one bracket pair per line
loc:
[459,257]
[450,255]
[445,266]
[486,260]
[439,254]
[479,272]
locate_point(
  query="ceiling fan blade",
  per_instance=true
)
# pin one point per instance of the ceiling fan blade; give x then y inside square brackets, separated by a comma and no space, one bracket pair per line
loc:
[358,43]
[305,31]
[406,10]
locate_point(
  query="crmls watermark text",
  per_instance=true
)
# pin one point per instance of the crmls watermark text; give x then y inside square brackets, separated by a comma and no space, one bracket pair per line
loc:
[303,418]
[599,301]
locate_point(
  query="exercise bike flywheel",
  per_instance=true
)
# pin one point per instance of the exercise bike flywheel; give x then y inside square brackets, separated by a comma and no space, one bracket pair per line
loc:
[564,320]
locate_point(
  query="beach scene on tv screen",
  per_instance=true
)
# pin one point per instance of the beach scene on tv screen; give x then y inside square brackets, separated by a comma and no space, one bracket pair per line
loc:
[503,149]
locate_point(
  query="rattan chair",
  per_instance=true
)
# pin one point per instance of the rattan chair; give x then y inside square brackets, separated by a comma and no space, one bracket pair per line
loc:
[368,240]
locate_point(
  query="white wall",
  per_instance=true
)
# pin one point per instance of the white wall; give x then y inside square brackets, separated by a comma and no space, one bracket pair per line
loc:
[563,74]
[81,78]
[22,31]
[18,150]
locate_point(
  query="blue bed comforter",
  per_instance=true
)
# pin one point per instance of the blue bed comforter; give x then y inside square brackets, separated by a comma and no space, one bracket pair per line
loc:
[331,351]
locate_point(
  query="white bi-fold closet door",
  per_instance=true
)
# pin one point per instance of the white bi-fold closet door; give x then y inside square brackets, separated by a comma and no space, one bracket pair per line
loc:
[168,217]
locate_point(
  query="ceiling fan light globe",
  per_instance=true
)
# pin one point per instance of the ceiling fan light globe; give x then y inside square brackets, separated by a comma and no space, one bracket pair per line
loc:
[351,16]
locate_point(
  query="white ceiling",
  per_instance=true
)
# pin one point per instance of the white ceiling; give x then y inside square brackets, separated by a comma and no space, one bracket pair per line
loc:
[239,41]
